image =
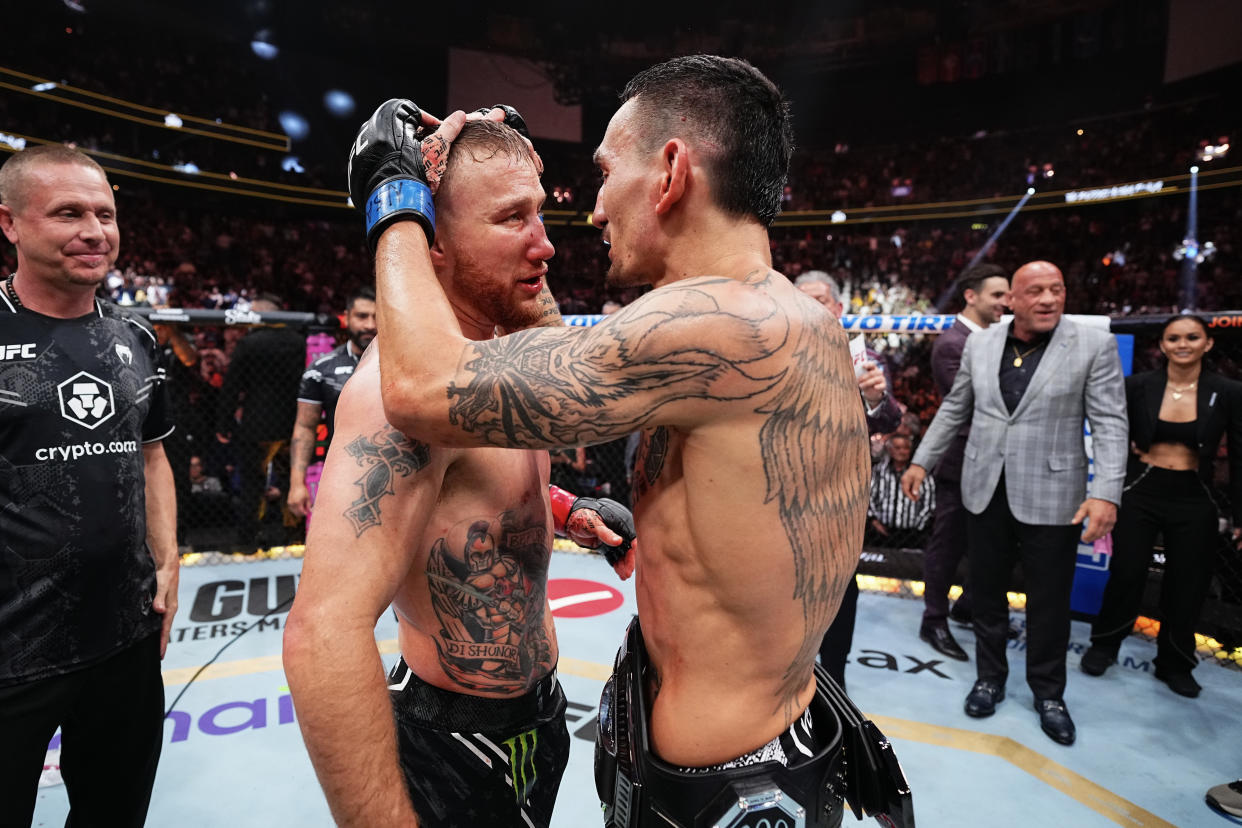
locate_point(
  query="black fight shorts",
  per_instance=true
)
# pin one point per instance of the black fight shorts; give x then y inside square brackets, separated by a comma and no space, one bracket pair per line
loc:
[471,761]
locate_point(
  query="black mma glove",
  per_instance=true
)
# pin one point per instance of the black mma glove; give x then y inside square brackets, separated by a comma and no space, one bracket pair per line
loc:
[512,118]
[387,174]
[616,517]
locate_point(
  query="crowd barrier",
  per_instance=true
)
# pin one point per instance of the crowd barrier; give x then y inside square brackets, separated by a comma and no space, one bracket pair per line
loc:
[208,519]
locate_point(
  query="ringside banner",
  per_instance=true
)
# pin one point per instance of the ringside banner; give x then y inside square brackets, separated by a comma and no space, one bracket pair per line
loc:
[886,323]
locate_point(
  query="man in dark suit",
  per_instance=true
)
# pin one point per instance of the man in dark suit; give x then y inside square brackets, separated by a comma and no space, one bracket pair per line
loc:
[262,381]
[1028,385]
[984,289]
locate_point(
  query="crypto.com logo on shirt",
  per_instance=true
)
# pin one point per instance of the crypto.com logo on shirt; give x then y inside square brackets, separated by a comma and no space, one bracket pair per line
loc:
[85,399]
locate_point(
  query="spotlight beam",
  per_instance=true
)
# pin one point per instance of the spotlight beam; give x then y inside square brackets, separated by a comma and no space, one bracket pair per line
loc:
[947,295]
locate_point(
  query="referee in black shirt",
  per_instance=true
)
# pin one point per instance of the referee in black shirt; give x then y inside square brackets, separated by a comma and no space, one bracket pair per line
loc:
[88,551]
[321,388]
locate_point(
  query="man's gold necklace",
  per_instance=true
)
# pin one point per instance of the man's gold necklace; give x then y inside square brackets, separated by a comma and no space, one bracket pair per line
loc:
[1017,357]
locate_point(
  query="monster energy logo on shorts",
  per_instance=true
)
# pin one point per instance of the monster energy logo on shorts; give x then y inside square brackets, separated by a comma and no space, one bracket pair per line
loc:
[522,762]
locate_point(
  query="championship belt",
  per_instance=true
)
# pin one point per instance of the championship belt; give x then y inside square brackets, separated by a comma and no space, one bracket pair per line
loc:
[639,790]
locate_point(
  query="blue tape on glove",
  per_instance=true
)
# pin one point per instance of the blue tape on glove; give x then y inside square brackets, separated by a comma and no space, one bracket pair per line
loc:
[399,195]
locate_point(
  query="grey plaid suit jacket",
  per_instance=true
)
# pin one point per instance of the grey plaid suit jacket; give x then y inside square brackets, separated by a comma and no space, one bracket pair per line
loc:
[1040,445]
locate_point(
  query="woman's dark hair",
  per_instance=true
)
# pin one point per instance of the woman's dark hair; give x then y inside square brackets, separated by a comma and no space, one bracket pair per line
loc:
[1199,320]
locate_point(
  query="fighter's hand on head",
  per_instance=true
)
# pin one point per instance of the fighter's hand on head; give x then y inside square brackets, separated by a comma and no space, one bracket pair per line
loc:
[604,524]
[509,116]
[393,172]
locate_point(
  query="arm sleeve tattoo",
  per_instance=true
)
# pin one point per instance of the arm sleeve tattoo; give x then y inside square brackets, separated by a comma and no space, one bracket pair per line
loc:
[540,389]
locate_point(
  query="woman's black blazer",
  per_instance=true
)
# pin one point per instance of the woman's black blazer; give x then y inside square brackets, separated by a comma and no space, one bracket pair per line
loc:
[1219,411]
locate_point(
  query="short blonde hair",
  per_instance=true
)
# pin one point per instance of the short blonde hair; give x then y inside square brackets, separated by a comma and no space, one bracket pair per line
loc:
[14,173]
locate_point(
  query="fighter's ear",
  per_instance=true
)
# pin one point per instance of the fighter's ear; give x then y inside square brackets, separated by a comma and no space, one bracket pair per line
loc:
[439,258]
[674,174]
[7,225]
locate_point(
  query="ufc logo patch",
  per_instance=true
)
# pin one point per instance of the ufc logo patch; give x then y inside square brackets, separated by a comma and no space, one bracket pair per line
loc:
[17,351]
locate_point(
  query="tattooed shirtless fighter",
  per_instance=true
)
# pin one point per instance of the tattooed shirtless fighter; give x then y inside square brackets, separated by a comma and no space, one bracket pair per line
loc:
[752,475]
[458,541]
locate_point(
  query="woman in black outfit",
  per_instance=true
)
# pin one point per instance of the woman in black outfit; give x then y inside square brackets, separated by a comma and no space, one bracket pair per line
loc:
[1177,416]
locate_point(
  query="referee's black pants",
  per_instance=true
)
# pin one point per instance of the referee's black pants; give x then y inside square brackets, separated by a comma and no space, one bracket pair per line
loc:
[111,718]
[996,541]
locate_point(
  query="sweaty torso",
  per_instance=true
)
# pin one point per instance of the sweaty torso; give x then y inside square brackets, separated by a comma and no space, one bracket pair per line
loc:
[474,606]
[472,603]
[750,525]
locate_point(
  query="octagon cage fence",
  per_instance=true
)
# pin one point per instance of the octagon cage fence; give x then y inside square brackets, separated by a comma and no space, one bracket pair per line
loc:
[209,514]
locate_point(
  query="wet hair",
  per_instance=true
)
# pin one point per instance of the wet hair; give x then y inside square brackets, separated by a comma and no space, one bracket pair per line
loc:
[482,141]
[974,278]
[1199,320]
[730,112]
[14,171]
[365,292]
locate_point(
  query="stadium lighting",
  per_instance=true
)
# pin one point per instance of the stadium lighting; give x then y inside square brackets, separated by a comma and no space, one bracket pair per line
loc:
[292,164]
[1194,169]
[172,120]
[1030,191]
[1191,250]
[188,167]
[339,102]
[263,47]
[838,217]
[1210,152]
[294,125]
[44,87]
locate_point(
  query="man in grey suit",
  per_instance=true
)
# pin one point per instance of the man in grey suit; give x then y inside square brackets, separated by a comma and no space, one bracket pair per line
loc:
[983,289]
[1026,387]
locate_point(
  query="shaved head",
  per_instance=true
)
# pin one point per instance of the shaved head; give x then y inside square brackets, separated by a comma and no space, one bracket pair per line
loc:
[1037,299]
[1034,270]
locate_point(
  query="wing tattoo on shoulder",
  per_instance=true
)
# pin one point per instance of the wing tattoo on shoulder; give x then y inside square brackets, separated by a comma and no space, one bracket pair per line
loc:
[815,457]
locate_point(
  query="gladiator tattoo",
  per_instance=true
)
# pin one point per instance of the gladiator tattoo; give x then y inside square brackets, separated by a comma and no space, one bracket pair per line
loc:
[486,579]
[385,454]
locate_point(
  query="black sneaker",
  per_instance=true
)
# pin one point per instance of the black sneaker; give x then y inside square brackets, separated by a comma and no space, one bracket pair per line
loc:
[1096,661]
[1180,682]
